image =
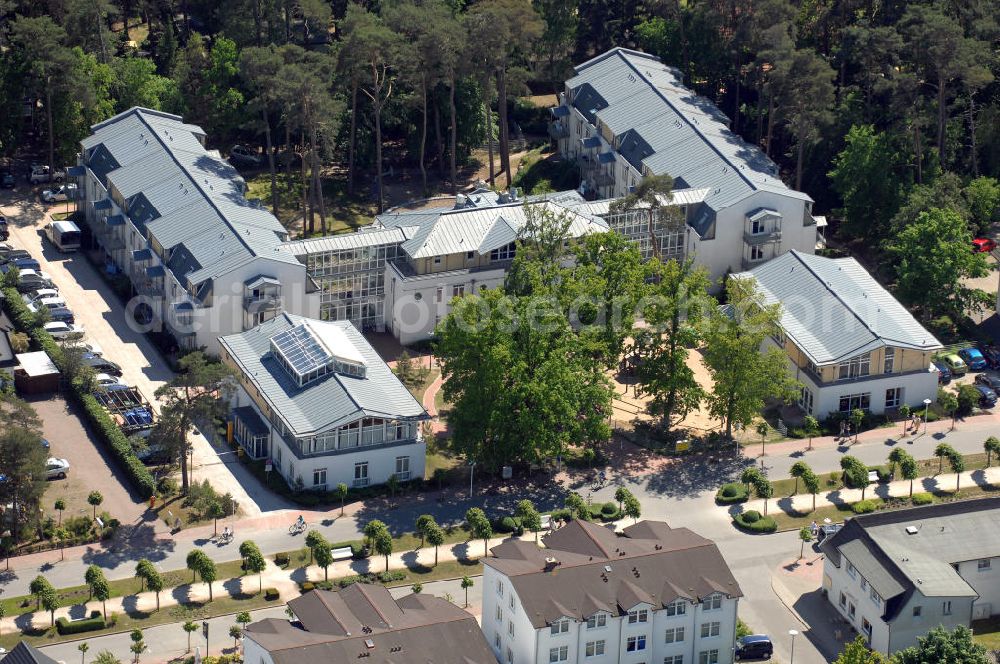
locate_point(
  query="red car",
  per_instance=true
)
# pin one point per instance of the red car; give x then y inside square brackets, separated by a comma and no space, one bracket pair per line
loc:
[983,245]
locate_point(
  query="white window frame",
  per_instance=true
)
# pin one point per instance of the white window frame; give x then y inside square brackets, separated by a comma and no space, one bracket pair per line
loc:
[560,626]
[676,608]
[674,635]
[635,643]
[597,620]
[710,629]
[594,648]
[709,656]
[638,616]
[712,603]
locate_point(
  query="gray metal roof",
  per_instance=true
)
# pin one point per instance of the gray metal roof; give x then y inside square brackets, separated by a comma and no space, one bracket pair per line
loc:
[833,309]
[328,402]
[602,207]
[669,129]
[881,579]
[363,238]
[186,196]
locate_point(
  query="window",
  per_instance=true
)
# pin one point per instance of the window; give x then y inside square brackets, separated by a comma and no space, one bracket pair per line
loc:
[843,600]
[860,365]
[469,255]
[636,643]
[851,609]
[512,601]
[710,629]
[503,253]
[946,607]
[439,294]
[437,260]
[500,588]
[983,564]
[496,641]
[560,654]
[850,402]
[510,627]
[559,627]
[917,610]
[864,584]
[403,468]
[361,474]
[673,659]
[638,616]
[594,648]
[677,608]
[890,357]
[675,635]
[319,478]
[708,657]
[866,626]
[599,620]
[711,603]
[893,396]
[458,290]
[852,571]
[756,226]
[806,400]
[499,614]
[756,253]
[510,656]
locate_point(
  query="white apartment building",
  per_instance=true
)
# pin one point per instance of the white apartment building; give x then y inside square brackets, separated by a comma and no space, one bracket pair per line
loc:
[648,595]
[317,401]
[895,575]
[626,115]
[171,216]
[848,340]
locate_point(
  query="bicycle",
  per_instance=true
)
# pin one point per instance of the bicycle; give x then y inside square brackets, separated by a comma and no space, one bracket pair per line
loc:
[297,527]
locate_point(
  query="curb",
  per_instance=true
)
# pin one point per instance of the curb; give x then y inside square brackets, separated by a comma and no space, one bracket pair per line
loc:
[784,596]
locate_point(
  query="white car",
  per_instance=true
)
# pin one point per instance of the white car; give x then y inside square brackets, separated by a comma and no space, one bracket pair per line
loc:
[40,173]
[91,347]
[66,192]
[54,302]
[64,331]
[106,380]
[56,469]
[34,296]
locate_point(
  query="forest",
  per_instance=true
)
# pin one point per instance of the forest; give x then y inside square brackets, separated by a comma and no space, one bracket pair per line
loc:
[879,110]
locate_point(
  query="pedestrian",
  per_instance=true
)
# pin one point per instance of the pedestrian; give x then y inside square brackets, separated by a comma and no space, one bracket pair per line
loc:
[152,502]
[847,430]
[815,528]
[842,423]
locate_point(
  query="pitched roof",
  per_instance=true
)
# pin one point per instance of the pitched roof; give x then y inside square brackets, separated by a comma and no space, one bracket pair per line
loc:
[326,402]
[25,653]
[902,551]
[182,193]
[365,621]
[596,569]
[669,129]
[834,310]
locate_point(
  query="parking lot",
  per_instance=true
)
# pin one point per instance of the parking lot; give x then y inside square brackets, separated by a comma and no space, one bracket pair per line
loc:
[91,468]
[98,310]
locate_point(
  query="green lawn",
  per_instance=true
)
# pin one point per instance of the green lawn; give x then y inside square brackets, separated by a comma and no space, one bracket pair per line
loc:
[987,632]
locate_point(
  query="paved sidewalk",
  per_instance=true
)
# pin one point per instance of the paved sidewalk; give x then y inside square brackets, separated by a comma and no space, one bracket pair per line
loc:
[285,580]
[897,489]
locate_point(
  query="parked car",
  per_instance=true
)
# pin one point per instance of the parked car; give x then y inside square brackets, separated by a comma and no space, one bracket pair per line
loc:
[63,331]
[944,373]
[105,380]
[49,303]
[41,174]
[987,397]
[67,192]
[243,156]
[983,245]
[4,230]
[992,356]
[973,358]
[992,382]
[7,180]
[46,444]
[62,315]
[956,364]
[11,255]
[31,280]
[755,646]
[827,530]
[41,293]
[101,365]
[90,348]
[23,264]
[56,469]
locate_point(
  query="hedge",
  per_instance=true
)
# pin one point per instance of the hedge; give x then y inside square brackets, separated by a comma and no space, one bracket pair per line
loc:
[922,498]
[94,622]
[281,559]
[271,594]
[99,420]
[754,522]
[734,492]
[864,507]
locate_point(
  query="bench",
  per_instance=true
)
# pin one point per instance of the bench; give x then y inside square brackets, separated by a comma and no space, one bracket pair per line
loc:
[343,553]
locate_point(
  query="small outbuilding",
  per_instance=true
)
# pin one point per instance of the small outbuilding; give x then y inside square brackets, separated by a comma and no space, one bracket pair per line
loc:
[36,373]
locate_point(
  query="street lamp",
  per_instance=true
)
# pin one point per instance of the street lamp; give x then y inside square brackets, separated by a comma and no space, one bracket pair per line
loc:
[792,633]
[927,405]
[472,471]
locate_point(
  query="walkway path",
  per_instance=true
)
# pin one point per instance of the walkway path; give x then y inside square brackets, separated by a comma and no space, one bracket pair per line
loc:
[899,489]
[285,580]
[430,396]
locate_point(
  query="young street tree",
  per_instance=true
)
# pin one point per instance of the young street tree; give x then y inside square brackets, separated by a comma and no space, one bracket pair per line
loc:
[479,527]
[811,482]
[467,583]
[529,516]
[435,537]
[799,470]
[805,535]
[253,561]
[190,627]
[324,556]
[744,376]
[382,545]
[991,446]
[197,393]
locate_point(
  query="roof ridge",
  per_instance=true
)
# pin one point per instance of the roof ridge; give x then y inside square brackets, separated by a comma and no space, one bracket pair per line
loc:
[322,599]
[197,185]
[371,602]
[694,128]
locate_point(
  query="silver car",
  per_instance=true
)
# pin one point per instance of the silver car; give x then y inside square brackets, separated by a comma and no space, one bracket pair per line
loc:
[56,469]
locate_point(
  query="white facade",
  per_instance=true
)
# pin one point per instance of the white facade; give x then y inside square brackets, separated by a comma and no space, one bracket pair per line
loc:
[682,632]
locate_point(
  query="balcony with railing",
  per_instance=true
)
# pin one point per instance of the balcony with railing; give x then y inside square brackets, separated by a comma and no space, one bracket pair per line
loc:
[762,237]
[559,129]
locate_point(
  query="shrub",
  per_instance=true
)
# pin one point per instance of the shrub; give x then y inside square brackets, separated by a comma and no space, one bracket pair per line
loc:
[609,509]
[922,498]
[561,515]
[968,399]
[93,623]
[734,492]
[306,586]
[864,507]
[391,575]
[507,524]
[271,594]
[760,524]
[281,559]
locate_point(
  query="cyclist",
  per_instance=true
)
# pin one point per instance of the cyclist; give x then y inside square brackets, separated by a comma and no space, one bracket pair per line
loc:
[300,523]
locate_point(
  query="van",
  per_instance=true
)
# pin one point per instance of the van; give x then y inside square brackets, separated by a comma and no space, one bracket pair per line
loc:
[755,646]
[64,235]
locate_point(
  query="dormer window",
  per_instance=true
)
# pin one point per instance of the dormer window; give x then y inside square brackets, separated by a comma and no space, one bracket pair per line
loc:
[307,353]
